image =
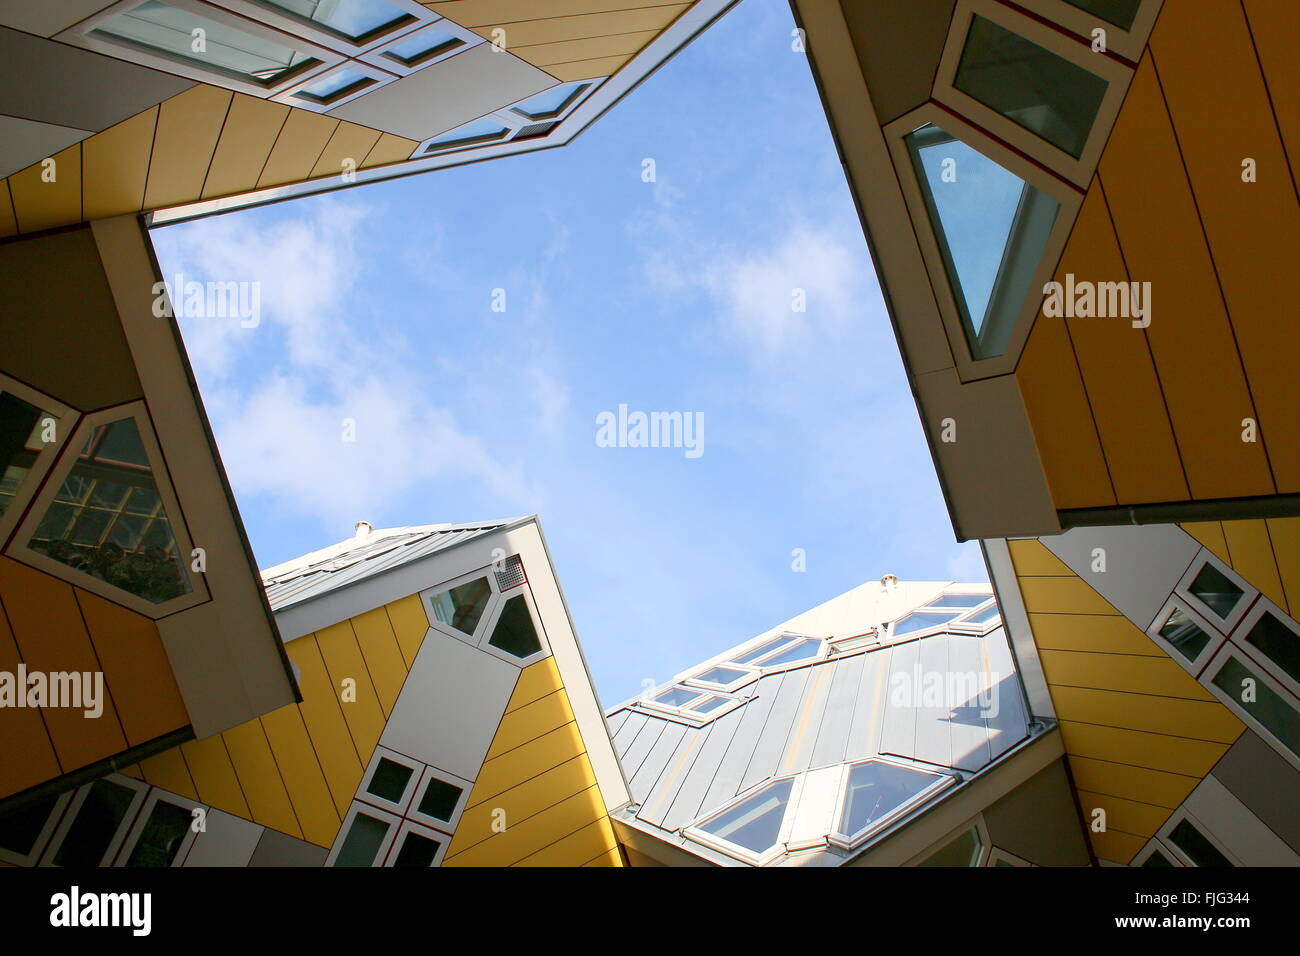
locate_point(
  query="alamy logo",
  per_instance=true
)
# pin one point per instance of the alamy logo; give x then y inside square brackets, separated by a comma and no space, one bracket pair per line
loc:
[1085,300]
[950,690]
[82,690]
[209,300]
[651,430]
[74,908]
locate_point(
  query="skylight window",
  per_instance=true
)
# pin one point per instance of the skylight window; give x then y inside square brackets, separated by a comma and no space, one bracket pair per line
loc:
[920,620]
[753,824]
[797,651]
[485,130]
[984,616]
[992,229]
[1213,589]
[353,19]
[721,675]
[766,647]
[334,86]
[958,600]
[1184,635]
[422,47]
[514,632]
[553,102]
[878,792]
[461,607]
[677,697]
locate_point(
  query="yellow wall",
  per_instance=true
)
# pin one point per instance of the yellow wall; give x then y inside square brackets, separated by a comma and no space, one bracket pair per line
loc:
[1128,416]
[1139,731]
[50,625]
[535,802]
[1264,552]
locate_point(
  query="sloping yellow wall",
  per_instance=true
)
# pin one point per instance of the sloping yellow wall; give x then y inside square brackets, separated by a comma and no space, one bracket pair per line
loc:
[1139,731]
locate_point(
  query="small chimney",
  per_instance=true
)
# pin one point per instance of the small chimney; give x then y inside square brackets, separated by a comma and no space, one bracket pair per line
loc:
[363,528]
[889,582]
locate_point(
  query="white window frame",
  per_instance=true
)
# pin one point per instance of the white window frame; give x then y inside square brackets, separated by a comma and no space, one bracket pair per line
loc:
[155,797]
[998,855]
[991,623]
[855,841]
[1153,846]
[922,631]
[734,850]
[80,35]
[43,836]
[493,616]
[446,827]
[686,713]
[297,96]
[749,674]
[981,829]
[1127,43]
[378,55]
[381,855]
[141,791]
[494,597]
[65,424]
[1217,637]
[582,89]
[285,22]
[1256,654]
[416,767]
[510,119]
[410,826]
[18,546]
[1116,75]
[1229,649]
[1070,198]
[1168,845]
[820,654]
[1248,591]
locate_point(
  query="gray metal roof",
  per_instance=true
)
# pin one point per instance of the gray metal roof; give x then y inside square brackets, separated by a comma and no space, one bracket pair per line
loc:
[832,711]
[357,559]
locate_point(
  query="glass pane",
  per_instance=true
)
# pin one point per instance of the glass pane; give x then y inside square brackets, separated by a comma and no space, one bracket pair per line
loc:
[712,704]
[334,85]
[992,229]
[757,652]
[169,30]
[1188,639]
[113,462]
[417,850]
[354,19]
[1119,12]
[754,823]
[1029,85]
[1273,711]
[480,131]
[440,799]
[919,621]
[514,632]
[795,652]
[97,821]
[959,600]
[1278,642]
[162,835]
[20,443]
[1157,859]
[421,46]
[1215,590]
[720,675]
[361,845]
[963,851]
[984,616]
[462,606]
[1198,849]
[677,697]
[876,789]
[389,780]
[549,103]
[20,828]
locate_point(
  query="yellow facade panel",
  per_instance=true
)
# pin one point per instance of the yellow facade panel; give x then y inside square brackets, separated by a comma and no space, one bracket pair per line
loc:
[608,858]
[1062,596]
[538,832]
[1116,846]
[1196,358]
[259,778]
[346,150]
[41,204]
[527,797]
[8,225]
[1274,27]
[1222,118]
[301,772]
[1130,816]
[594,48]
[189,125]
[1251,548]
[1285,535]
[246,140]
[530,722]
[1170,716]
[410,624]
[526,761]
[1158,787]
[1064,431]
[1180,755]
[389,149]
[1094,633]
[169,771]
[588,69]
[360,702]
[477,13]
[298,147]
[115,165]
[609,23]
[383,657]
[1133,675]
[1118,373]
[136,667]
[322,715]
[535,681]
[594,840]
[1033,559]
[214,775]
[1210,534]
[28,751]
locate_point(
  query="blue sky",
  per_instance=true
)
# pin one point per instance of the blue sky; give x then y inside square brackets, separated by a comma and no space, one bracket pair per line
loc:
[667,296]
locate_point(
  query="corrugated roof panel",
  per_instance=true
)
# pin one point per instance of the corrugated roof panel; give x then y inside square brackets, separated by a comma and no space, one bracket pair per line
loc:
[837,719]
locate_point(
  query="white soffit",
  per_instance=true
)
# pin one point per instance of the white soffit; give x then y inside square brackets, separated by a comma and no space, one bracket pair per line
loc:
[47,17]
[447,94]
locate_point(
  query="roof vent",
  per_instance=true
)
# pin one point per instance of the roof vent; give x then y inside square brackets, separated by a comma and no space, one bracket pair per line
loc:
[363,528]
[889,582]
